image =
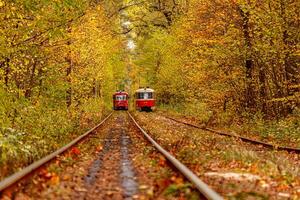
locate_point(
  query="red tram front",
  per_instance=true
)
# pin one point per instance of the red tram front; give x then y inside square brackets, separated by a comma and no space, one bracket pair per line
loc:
[144,99]
[120,100]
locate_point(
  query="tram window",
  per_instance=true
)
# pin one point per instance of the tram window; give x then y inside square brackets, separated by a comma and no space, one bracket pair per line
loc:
[139,95]
[150,95]
[144,95]
[120,97]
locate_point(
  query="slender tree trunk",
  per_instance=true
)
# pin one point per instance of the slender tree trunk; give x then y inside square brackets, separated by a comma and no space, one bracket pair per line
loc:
[95,88]
[250,91]
[263,89]
[69,72]
[28,91]
[7,71]
[68,75]
[283,71]
[40,84]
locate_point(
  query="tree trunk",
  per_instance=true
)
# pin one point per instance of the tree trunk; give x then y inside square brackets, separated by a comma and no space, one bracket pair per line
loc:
[250,91]
[69,72]
[263,89]
[283,71]
[7,71]
[69,90]
[31,81]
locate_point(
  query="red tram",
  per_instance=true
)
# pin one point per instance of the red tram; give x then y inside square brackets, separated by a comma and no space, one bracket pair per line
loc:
[144,99]
[120,100]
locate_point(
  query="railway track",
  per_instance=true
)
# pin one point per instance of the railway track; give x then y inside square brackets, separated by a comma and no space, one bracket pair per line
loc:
[245,139]
[204,189]
[9,181]
[200,185]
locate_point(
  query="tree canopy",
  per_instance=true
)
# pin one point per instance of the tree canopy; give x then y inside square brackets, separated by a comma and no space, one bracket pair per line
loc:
[237,56]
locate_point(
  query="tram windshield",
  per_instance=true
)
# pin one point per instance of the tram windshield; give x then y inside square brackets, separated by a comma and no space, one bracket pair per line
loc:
[144,95]
[120,97]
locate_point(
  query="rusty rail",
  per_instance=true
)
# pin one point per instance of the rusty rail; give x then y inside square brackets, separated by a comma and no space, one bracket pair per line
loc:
[7,182]
[199,184]
[245,139]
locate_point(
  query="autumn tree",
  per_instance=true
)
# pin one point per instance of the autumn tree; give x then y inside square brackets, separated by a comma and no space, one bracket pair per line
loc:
[57,67]
[239,56]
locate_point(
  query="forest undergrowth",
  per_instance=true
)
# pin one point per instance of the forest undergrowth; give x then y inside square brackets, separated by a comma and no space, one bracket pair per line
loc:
[229,64]
[284,132]
[58,63]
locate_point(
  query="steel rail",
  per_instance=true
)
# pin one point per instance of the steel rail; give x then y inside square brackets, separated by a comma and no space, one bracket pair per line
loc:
[4,184]
[199,184]
[245,139]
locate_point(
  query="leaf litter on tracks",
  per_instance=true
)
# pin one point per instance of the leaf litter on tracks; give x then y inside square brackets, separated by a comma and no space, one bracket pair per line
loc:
[150,177]
[205,152]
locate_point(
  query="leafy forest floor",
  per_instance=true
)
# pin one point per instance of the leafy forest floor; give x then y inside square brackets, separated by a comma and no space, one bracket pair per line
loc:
[282,132]
[43,135]
[236,169]
[94,169]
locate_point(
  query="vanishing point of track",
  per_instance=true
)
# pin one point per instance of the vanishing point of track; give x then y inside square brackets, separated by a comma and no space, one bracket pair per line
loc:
[204,189]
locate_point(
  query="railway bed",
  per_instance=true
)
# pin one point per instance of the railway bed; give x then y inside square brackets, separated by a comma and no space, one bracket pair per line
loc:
[231,166]
[242,138]
[117,160]
[113,166]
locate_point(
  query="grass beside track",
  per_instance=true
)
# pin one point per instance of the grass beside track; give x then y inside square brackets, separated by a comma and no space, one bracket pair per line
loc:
[275,172]
[19,149]
[283,132]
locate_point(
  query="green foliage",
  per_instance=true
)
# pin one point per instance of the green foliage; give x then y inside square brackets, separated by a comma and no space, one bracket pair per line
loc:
[184,188]
[248,195]
[57,71]
[196,109]
[231,57]
[285,131]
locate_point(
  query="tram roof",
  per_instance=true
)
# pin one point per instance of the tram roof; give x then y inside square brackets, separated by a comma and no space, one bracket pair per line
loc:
[144,90]
[121,92]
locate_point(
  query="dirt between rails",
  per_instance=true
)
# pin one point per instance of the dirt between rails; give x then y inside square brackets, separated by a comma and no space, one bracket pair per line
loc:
[115,162]
[235,169]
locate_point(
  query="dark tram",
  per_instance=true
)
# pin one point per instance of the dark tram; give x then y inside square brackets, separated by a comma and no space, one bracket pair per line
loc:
[120,100]
[144,99]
